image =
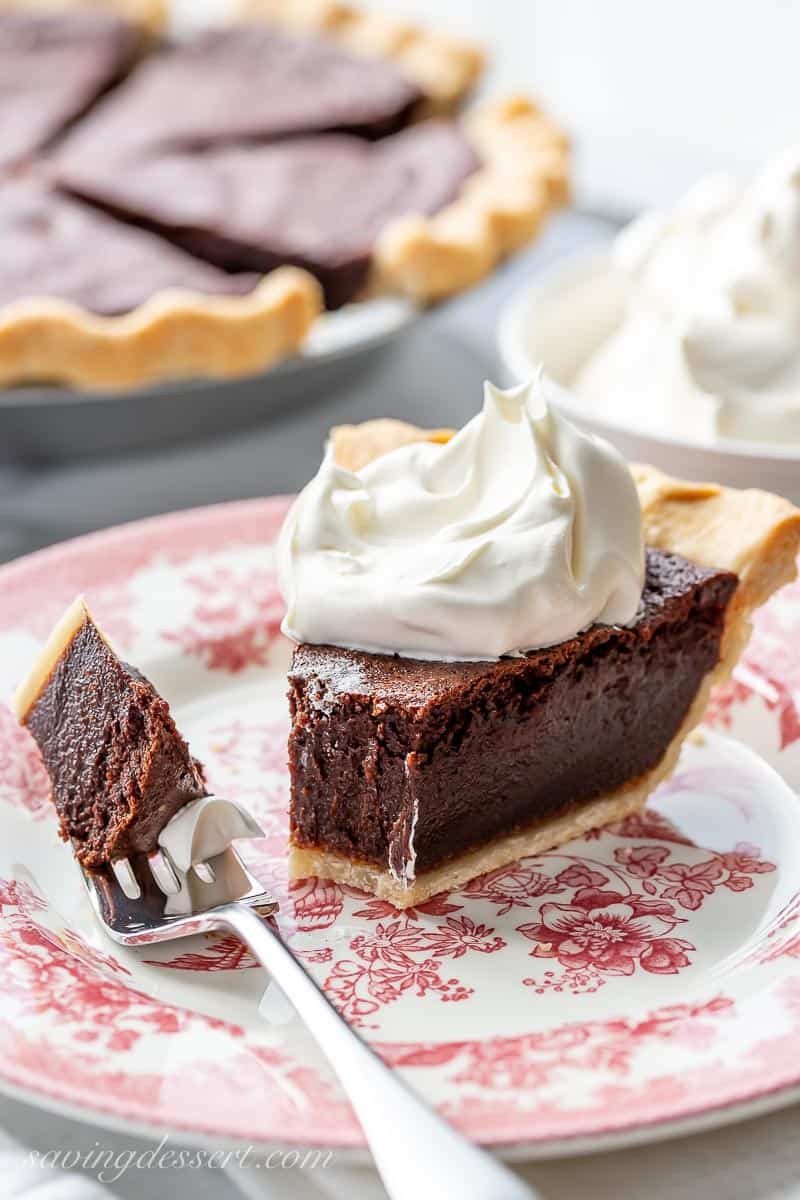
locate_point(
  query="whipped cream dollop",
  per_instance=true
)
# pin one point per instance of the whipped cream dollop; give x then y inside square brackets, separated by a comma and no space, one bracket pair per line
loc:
[516,534]
[710,344]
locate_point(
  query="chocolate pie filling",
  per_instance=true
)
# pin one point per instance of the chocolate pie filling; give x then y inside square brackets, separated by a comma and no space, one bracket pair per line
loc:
[245,83]
[395,760]
[118,766]
[52,68]
[51,245]
[318,203]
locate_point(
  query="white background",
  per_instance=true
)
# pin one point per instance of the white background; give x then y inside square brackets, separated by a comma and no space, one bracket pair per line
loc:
[653,93]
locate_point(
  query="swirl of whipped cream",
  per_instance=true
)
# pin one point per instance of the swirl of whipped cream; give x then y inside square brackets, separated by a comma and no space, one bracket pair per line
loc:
[517,533]
[710,344]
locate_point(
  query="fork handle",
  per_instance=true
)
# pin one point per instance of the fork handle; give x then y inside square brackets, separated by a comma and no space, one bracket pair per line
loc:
[415,1151]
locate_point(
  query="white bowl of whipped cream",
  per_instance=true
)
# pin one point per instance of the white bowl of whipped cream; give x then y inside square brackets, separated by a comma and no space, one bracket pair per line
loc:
[681,343]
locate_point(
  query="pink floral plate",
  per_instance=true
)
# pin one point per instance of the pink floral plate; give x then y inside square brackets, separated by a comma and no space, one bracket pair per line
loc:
[628,985]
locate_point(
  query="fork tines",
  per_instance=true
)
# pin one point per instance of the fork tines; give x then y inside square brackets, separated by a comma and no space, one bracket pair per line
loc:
[165,874]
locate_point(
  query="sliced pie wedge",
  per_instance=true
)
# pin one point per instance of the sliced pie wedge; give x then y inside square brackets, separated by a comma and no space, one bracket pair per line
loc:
[410,778]
[118,766]
[246,83]
[445,68]
[87,300]
[319,203]
[53,67]
[426,212]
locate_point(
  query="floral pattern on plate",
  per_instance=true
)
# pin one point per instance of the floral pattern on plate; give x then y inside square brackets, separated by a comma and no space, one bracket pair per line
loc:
[646,973]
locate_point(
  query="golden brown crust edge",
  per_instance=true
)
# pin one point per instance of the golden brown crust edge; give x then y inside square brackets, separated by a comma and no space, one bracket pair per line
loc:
[523,176]
[445,68]
[753,533]
[61,637]
[175,334]
[357,445]
[150,15]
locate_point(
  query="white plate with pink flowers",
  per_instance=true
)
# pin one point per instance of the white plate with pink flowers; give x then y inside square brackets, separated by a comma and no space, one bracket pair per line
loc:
[641,981]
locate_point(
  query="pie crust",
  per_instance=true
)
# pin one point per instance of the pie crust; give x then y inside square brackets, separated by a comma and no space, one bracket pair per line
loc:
[31,688]
[752,533]
[524,155]
[150,15]
[444,67]
[176,334]
[523,176]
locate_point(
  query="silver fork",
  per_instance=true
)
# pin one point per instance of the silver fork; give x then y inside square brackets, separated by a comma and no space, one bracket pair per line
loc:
[416,1152]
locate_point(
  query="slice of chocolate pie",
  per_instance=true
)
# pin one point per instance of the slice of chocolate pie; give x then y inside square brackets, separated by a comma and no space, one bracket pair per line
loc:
[549,667]
[245,83]
[119,768]
[87,299]
[44,239]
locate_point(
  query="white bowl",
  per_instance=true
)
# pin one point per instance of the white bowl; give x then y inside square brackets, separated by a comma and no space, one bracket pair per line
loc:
[560,321]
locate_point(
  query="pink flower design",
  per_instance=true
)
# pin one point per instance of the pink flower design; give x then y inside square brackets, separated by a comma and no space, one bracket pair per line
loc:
[692,882]
[225,953]
[257,748]
[514,886]
[395,958]
[81,1017]
[746,858]
[767,671]
[647,824]
[317,903]
[460,934]
[393,943]
[581,875]
[323,955]
[23,779]
[642,861]
[235,622]
[375,910]
[666,956]
[723,701]
[16,894]
[605,932]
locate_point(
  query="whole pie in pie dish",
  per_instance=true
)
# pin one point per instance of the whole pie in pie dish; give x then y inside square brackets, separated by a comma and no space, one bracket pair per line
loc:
[504,637]
[174,209]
